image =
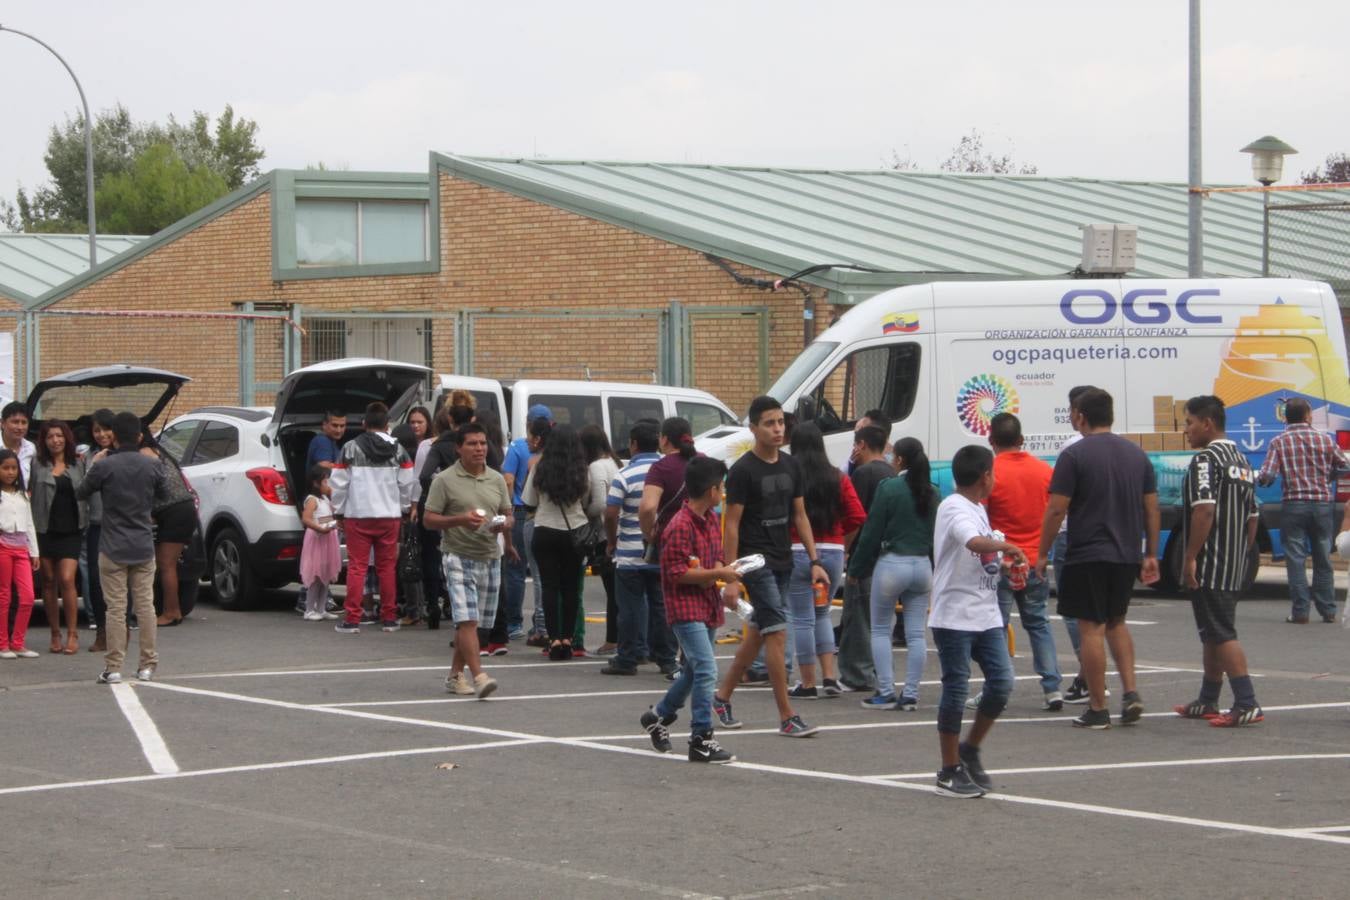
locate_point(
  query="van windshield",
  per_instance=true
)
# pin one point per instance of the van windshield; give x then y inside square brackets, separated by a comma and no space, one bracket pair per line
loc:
[801,367]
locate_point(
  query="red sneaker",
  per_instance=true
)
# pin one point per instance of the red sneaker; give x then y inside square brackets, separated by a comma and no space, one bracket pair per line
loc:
[578,652]
[495,650]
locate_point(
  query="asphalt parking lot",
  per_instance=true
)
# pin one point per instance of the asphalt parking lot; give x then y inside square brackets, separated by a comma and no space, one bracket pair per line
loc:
[274,758]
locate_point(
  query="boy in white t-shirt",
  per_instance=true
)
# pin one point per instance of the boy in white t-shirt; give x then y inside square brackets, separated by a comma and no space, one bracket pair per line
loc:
[966,621]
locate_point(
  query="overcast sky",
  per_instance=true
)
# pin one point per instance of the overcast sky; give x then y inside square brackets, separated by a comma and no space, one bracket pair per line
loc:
[1094,90]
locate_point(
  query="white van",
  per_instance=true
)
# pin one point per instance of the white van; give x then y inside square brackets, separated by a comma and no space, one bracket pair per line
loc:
[942,359]
[613,405]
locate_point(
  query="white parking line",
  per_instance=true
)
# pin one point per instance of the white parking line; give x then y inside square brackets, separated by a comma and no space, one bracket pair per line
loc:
[152,743]
[1329,829]
[262,767]
[1119,812]
[1146,764]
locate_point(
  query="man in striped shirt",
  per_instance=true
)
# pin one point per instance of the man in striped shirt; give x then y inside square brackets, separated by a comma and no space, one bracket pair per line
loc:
[1219,530]
[643,631]
[1307,460]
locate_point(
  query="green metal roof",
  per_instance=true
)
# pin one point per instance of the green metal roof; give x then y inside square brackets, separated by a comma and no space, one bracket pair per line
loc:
[915,225]
[32,264]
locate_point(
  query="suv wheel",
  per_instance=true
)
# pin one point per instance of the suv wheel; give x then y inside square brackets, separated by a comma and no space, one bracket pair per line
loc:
[231,578]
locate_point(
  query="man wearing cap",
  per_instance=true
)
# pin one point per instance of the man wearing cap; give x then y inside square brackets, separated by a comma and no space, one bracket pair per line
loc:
[515,468]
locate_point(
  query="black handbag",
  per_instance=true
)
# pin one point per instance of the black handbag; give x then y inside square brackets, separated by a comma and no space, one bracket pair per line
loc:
[584,538]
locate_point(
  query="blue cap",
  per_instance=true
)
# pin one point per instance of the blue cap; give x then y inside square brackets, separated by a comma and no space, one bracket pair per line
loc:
[539,411]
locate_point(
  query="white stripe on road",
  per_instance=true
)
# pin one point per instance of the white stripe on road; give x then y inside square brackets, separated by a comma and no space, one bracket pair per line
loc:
[1147,764]
[152,743]
[262,767]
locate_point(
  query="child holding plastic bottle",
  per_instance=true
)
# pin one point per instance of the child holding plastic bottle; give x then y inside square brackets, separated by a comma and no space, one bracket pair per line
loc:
[18,558]
[320,555]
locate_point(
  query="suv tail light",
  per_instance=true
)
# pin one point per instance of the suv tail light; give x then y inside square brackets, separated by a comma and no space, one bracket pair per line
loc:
[271,485]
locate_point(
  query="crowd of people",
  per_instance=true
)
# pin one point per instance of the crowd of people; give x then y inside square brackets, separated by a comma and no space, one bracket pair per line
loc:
[118,508]
[441,519]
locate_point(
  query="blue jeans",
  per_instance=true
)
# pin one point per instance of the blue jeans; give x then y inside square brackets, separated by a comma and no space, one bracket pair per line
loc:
[1059,554]
[908,579]
[697,678]
[955,651]
[537,621]
[514,575]
[643,632]
[812,627]
[1306,529]
[1031,607]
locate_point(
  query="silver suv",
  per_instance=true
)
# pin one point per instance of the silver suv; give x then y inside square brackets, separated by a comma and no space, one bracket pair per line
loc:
[248,466]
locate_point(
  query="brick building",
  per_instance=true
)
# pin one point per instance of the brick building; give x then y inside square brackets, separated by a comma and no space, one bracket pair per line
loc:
[630,272]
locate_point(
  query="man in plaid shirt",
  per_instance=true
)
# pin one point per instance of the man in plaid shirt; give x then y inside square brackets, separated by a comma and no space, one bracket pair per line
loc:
[691,566]
[1307,460]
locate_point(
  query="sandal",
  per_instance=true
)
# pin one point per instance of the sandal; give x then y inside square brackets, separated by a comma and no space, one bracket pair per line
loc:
[56,646]
[72,644]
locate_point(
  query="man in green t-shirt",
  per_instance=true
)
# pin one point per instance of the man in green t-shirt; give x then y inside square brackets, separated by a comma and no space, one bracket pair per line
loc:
[462,502]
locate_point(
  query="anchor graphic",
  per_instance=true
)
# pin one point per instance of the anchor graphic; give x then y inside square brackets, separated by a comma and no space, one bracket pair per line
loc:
[1251,443]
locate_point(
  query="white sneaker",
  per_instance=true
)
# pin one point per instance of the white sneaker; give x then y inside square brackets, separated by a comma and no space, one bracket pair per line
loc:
[8,654]
[483,685]
[974,702]
[27,654]
[458,684]
[145,674]
[313,616]
[327,615]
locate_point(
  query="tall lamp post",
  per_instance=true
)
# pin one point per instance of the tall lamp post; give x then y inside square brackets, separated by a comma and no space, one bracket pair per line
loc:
[88,140]
[1268,155]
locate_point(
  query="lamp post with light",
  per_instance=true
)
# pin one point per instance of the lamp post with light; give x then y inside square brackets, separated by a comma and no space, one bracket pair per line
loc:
[88,140]
[1268,155]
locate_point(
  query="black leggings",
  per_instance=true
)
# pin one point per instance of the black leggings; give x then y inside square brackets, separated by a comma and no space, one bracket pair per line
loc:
[560,571]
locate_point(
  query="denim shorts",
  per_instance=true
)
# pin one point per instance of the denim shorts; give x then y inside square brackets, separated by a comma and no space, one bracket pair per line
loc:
[473,586]
[767,591]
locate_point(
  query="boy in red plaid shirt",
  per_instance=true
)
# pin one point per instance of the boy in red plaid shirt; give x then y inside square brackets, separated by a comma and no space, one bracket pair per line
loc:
[691,565]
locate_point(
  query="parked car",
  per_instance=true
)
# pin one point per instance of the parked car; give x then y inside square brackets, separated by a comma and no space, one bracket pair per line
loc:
[73,397]
[248,466]
[614,406]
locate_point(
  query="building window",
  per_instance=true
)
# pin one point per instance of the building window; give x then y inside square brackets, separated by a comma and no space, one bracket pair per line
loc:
[399,338]
[360,232]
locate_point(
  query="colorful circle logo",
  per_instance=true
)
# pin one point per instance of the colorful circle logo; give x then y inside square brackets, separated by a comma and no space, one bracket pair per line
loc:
[981,398]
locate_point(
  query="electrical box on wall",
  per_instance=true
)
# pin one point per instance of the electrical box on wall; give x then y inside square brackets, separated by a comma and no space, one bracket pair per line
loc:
[1109,249]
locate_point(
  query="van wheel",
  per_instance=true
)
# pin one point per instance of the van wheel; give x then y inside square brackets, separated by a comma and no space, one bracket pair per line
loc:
[231,578]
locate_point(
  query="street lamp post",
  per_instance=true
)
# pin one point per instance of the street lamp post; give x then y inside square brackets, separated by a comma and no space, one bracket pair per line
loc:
[88,141]
[1268,155]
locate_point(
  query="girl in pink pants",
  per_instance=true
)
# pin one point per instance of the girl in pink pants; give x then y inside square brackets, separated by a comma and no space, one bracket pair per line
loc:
[18,558]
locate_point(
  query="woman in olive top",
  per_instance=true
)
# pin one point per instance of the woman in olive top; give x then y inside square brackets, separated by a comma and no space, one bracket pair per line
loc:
[898,539]
[60,520]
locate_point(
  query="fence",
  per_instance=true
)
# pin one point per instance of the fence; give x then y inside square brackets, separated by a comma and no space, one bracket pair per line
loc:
[1310,240]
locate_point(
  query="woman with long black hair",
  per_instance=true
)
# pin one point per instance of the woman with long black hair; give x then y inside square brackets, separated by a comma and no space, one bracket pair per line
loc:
[60,519]
[898,540]
[835,512]
[557,487]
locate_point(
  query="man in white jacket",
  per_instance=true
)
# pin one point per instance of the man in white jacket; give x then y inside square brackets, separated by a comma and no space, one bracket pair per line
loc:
[373,485]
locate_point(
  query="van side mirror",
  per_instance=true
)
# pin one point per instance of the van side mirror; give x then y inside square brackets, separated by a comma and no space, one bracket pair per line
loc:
[806,410]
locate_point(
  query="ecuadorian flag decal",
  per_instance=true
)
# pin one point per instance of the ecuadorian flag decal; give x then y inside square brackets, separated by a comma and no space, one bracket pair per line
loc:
[899,323]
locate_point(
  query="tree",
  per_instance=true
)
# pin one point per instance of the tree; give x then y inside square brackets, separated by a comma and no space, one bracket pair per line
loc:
[1336,169]
[158,190]
[968,156]
[229,152]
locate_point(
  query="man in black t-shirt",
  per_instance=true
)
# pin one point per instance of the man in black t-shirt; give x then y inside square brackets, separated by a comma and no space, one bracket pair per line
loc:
[1108,489]
[764,495]
[870,468]
[1219,522]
